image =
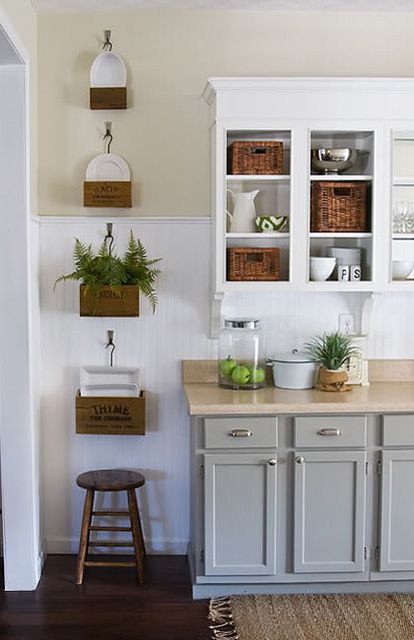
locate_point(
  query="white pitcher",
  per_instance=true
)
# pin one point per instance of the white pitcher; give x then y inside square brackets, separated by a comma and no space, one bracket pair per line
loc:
[244,211]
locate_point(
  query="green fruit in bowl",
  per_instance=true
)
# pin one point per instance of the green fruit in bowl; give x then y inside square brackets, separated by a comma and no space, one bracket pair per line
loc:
[227,366]
[240,375]
[258,375]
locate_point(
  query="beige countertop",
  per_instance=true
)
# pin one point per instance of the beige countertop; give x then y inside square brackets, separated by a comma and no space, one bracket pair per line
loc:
[391,391]
[207,398]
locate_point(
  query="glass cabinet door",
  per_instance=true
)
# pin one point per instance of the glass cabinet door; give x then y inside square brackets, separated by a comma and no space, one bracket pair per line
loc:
[402,260]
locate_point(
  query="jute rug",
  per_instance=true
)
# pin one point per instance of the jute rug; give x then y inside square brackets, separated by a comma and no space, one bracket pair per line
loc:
[313,617]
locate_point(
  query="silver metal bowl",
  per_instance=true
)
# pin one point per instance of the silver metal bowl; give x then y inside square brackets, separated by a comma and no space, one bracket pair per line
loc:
[334,160]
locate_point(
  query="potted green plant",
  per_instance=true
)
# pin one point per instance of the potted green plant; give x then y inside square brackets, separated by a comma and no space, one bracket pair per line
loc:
[110,284]
[331,351]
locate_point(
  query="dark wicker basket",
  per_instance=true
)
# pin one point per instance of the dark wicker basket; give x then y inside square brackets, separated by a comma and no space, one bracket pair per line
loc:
[260,157]
[339,206]
[248,263]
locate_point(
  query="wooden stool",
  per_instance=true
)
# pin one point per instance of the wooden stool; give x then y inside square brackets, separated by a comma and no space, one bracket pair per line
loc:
[110,480]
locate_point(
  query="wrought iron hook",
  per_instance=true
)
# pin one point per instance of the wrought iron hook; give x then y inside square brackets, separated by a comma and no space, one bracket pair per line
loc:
[111,344]
[108,134]
[107,44]
[109,236]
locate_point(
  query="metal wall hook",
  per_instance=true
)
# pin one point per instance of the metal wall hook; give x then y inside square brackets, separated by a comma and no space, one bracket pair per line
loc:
[108,134]
[107,45]
[111,344]
[109,236]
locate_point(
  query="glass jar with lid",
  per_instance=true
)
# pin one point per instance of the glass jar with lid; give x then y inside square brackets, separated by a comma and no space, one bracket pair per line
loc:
[241,354]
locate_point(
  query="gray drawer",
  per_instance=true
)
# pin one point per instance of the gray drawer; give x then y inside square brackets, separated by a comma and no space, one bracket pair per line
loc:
[240,433]
[398,430]
[330,431]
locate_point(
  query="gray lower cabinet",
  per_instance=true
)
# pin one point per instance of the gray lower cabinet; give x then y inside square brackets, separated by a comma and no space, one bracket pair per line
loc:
[397,511]
[240,513]
[288,504]
[329,511]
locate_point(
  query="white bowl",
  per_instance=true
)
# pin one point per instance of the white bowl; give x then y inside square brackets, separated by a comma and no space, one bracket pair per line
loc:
[401,270]
[321,268]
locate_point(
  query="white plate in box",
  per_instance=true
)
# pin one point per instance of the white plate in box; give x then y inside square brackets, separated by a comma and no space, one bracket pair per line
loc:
[107,167]
[108,70]
[110,391]
[109,376]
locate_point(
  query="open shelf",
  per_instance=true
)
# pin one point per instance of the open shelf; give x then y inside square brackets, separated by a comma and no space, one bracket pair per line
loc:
[257,236]
[345,234]
[237,177]
[343,177]
[404,182]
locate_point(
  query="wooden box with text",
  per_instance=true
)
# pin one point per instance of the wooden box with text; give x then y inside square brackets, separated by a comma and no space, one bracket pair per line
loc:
[110,416]
[122,302]
[107,193]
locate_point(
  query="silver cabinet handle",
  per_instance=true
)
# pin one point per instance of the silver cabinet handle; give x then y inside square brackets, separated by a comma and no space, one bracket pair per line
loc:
[300,459]
[241,433]
[272,462]
[330,432]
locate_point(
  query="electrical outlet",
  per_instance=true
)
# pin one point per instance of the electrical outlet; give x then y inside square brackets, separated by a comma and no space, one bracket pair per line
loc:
[346,324]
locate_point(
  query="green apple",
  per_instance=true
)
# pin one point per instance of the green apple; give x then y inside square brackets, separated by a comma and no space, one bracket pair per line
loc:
[240,375]
[257,375]
[227,366]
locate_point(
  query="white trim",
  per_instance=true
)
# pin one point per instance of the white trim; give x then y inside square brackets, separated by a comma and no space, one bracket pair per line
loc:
[124,220]
[300,83]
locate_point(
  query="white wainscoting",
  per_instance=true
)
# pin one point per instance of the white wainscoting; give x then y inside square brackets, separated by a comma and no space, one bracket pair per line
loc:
[157,344]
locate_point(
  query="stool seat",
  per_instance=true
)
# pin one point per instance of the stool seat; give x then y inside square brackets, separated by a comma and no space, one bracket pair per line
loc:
[110,480]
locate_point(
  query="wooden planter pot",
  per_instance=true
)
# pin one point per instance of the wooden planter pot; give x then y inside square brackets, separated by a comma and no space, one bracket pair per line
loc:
[329,380]
[110,416]
[120,303]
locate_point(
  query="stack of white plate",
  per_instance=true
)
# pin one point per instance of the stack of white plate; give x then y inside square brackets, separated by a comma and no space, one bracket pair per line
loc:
[122,382]
[345,255]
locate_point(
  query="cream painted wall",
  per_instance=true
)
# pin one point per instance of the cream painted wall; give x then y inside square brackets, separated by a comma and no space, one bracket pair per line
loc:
[170,54]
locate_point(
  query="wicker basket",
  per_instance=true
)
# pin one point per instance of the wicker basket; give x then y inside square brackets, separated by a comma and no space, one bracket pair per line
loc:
[248,263]
[339,206]
[260,157]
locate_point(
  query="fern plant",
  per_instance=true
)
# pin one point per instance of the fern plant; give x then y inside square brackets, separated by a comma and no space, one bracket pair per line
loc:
[96,270]
[331,350]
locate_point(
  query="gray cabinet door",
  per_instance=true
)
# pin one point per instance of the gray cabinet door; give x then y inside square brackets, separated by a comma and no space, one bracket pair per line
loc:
[329,511]
[397,511]
[240,513]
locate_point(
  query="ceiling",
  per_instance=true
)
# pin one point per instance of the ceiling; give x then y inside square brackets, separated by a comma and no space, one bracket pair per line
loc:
[226,5]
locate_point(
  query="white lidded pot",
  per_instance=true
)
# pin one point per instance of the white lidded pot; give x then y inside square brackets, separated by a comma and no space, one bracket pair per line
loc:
[294,370]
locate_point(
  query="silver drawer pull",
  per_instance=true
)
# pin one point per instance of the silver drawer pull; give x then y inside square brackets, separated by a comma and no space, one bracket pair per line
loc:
[241,433]
[330,432]
[299,459]
[272,462]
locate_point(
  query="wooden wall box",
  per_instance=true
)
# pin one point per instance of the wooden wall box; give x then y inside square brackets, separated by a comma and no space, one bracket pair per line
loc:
[123,303]
[107,193]
[110,416]
[108,98]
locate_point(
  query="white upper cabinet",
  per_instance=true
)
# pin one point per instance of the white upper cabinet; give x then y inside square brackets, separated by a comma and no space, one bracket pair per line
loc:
[263,134]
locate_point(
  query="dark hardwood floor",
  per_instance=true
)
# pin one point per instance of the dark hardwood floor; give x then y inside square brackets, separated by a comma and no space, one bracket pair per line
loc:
[110,605]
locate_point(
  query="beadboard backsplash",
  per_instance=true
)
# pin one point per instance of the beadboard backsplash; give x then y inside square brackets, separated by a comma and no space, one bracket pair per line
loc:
[157,344]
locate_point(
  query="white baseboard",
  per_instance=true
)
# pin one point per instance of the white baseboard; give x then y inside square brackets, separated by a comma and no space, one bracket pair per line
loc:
[41,559]
[167,546]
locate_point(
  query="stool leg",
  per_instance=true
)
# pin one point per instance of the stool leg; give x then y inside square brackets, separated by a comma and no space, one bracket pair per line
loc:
[136,533]
[84,537]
